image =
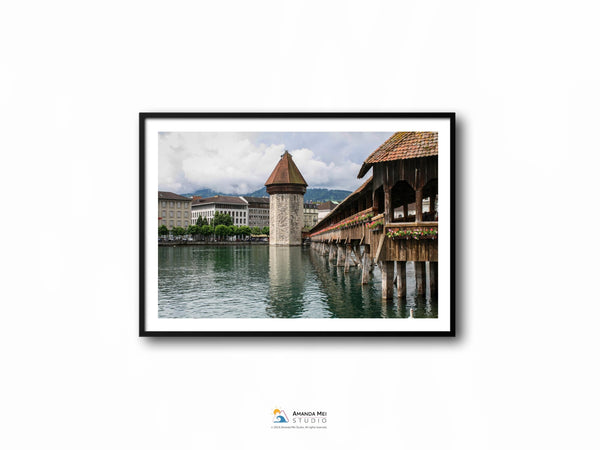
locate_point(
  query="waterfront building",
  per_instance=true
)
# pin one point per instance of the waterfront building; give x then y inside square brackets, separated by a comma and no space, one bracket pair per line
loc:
[324,209]
[236,207]
[286,187]
[174,210]
[258,211]
[310,215]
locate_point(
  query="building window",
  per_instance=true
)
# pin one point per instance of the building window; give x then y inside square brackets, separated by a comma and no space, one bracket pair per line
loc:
[170,213]
[185,214]
[171,204]
[164,213]
[178,204]
[164,204]
[179,214]
[179,223]
[170,223]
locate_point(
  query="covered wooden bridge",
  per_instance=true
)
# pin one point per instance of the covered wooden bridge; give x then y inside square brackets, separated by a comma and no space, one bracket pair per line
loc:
[392,218]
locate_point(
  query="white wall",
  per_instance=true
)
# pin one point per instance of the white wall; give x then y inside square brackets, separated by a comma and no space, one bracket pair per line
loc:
[523,80]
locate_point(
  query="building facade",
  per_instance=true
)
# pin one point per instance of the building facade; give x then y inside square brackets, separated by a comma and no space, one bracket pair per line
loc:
[236,207]
[286,187]
[174,210]
[311,216]
[324,209]
[258,211]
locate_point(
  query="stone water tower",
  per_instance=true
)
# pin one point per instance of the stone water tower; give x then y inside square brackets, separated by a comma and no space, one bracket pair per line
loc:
[286,187]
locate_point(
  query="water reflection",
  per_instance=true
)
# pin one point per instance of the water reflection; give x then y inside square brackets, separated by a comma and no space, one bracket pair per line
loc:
[259,281]
[286,282]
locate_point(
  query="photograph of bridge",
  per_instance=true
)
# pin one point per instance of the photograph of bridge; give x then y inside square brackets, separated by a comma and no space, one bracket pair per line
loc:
[240,238]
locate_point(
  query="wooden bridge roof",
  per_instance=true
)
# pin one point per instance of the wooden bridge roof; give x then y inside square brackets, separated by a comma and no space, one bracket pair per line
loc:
[403,145]
[343,203]
[286,172]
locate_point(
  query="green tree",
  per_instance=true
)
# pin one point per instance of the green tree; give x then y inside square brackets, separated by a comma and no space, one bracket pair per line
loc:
[221,230]
[244,230]
[206,230]
[163,230]
[265,230]
[178,231]
[193,230]
[255,231]
[222,219]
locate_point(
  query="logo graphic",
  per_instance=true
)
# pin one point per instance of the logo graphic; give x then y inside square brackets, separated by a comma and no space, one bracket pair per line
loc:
[279,416]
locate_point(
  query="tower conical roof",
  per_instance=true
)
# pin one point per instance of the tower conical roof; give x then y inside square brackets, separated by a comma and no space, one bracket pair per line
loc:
[286,172]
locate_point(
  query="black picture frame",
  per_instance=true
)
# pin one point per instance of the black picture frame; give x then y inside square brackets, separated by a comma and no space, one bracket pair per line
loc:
[449,328]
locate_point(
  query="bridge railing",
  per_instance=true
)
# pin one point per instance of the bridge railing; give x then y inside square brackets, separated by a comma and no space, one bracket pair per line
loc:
[354,221]
[411,230]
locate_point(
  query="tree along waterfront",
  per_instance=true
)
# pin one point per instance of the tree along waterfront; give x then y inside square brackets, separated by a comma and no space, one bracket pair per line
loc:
[221,228]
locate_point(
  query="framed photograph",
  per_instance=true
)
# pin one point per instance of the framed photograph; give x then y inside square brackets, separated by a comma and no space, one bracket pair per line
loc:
[297,224]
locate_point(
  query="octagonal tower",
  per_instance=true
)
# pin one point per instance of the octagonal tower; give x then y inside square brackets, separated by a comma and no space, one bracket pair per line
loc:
[286,187]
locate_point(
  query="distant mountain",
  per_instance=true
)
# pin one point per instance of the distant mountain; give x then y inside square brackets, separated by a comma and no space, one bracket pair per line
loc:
[205,193]
[323,195]
[312,194]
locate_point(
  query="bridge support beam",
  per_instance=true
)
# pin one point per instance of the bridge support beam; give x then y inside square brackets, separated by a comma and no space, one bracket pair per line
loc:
[387,279]
[331,252]
[366,268]
[349,261]
[356,257]
[433,282]
[419,205]
[401,278]
[340,255]
[420,277]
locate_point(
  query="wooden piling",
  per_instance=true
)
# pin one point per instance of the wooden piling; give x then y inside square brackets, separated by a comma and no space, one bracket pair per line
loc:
[387,279]
[401,278]
[348,261]
[433,282]
[356,255]
[340,255]
[366,268]
[420,277]
[332,252]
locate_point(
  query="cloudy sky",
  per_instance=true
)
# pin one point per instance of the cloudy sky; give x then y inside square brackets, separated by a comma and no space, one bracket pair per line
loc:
[240,163]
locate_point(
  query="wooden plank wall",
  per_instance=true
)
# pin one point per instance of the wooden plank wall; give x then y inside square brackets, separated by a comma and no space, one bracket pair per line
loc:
[406,170]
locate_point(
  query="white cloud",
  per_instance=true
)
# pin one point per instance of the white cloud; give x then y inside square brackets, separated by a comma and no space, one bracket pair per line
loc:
[241,162]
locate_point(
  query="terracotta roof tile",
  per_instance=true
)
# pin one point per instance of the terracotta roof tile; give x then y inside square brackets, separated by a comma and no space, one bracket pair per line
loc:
[262,200]
[327,206]
[162,195]
[403,145]
[220,199]
[286,172]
